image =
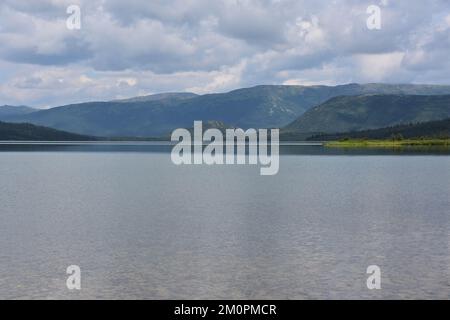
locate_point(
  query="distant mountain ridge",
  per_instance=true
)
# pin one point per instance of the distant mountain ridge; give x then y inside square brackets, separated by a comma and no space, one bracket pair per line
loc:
[355,113]
[264,106]
[8,111]
[169,96]
[432,129]
[29,132]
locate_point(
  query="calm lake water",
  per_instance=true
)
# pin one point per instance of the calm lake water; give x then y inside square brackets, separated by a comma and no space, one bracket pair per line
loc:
[141,227]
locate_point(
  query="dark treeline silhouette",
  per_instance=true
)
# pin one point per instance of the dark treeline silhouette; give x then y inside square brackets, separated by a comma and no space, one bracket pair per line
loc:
[433,129]
[29,132]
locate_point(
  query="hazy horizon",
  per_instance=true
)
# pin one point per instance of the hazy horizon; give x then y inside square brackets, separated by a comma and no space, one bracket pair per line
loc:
[218,92]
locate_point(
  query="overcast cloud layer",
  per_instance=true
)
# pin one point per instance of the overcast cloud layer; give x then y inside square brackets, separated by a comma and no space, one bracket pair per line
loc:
[138,47]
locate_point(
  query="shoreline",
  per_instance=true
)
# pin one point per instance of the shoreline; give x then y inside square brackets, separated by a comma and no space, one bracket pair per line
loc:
[389,143]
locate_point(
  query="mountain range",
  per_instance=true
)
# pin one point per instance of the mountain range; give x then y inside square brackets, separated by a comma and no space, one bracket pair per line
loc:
[10,111]
[433,129]
[343,114]
[30,132]
[296,109]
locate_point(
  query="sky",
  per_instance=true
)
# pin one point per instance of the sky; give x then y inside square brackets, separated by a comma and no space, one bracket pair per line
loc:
[139,47]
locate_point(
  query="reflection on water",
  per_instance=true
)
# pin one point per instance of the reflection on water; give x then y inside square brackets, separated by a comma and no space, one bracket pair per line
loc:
[140,227]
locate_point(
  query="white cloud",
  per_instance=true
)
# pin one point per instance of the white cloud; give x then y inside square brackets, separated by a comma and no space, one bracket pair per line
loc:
[379,67]
[127,48]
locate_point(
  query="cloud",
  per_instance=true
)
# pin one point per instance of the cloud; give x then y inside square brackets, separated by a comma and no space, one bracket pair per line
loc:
[133,47]
[378,67]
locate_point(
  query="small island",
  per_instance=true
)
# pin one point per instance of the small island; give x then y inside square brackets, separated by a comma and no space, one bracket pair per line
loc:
[422,134]
[388,143]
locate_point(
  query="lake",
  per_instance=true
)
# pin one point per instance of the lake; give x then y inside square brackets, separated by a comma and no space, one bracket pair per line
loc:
[140,227]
